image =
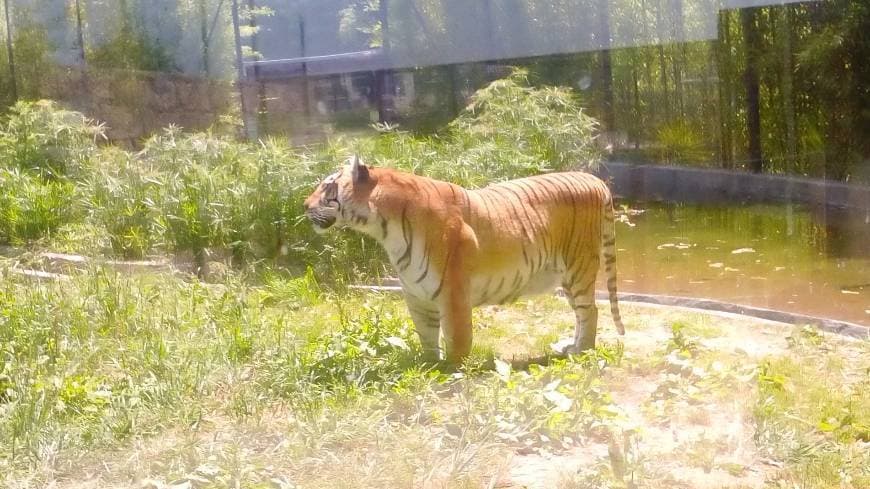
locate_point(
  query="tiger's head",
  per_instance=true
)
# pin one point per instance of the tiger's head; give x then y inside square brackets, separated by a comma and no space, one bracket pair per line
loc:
[342,198]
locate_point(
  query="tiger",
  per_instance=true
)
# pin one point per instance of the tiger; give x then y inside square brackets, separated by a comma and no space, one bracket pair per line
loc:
[454,249]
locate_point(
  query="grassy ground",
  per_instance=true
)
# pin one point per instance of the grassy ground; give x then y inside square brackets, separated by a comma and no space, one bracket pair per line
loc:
[157,380]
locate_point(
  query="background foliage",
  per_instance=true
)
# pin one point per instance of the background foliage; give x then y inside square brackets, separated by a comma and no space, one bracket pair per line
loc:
[211,198]
[778,88]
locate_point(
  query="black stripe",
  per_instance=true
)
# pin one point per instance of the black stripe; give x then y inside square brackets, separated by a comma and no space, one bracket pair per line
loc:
[485,289]
[467,210]
[528,218]
[425,269]
[429,315]
[569,239]
[500,284]
[486,208]
[544,186]
[517,281]
[523,184]
[443,275]
[527,184]
[582,264]
[589,286]
[409,244]
[509,201]
[384,230]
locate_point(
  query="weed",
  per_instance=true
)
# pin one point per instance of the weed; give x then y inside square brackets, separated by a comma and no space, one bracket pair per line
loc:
[816,427]
[31,207]
[45,140]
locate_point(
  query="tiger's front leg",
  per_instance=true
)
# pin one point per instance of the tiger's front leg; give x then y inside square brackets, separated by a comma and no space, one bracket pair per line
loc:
[427,321]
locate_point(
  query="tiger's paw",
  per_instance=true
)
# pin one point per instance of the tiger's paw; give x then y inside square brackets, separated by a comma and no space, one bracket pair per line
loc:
[565,346]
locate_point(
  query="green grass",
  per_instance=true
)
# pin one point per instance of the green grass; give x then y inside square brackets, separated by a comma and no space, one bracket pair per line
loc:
[108,360]
[276,377]
[813,412]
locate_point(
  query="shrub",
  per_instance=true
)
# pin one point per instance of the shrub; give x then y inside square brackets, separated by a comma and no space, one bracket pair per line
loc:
[371,350]
[194,193]
[123,195]
[31,207]
[509,130]
[681,143]
[42,138]
[546,124]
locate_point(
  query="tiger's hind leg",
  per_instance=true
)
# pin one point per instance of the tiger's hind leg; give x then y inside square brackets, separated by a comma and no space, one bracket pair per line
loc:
[580,289]
[586,327]
[427,321]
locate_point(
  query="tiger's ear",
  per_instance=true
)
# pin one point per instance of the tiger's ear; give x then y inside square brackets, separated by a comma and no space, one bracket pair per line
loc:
[358,170]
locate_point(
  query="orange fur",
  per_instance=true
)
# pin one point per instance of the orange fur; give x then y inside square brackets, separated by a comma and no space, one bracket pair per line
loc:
[454,249]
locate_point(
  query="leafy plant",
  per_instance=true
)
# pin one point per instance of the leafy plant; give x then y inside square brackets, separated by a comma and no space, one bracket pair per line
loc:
[31,207]
[371,350]
[131,49]
[547,124]
[681,143]
[44,139]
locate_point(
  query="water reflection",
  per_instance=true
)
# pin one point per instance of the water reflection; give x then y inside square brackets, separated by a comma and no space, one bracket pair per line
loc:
[810,262]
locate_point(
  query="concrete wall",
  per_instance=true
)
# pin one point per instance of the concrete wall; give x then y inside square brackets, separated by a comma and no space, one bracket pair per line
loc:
[697,185]
[136,104]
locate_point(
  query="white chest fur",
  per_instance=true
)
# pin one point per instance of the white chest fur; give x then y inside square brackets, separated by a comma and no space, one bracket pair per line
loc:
[411,257]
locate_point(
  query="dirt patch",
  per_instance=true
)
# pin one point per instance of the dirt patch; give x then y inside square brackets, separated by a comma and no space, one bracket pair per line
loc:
[703,441]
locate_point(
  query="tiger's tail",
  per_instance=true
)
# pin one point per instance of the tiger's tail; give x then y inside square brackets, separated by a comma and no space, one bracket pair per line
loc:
[608,252]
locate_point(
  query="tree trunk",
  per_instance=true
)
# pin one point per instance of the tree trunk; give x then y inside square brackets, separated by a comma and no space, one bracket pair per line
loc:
[637,114]
[10,55]
[203,28]
[752,41]
[679,56]
[249,122]
[306,89]
[80,36]
[606,66]
[382,77]
[726,91]
[262,121]
[787,87]
[663,68]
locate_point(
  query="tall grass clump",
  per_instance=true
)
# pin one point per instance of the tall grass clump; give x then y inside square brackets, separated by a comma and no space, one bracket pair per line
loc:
[545,124]
[124,195]
[510,129]
[31,207]
[42,149]
[46,140]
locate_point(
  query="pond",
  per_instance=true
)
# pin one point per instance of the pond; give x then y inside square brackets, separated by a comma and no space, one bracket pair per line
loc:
[808,261]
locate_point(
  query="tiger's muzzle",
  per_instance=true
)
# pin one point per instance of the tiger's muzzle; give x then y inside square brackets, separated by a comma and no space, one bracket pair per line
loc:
[322,218]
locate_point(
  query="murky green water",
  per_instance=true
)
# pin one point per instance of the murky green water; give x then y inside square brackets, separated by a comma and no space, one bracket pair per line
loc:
[792,259]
